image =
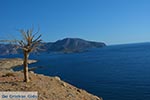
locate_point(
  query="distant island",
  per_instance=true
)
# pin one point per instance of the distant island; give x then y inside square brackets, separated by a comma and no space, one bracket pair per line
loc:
[67,45]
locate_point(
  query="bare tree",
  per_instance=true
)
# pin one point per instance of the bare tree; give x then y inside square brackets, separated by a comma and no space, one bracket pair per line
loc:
[29,42]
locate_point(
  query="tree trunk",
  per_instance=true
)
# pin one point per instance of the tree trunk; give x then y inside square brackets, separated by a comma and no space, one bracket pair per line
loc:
[25,63]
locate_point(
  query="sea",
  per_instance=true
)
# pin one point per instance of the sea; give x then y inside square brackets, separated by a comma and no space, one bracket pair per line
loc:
[117,72]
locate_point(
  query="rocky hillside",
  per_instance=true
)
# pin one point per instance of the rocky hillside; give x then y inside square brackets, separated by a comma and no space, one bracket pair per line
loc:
[6,49]
[67,45]
[49,88]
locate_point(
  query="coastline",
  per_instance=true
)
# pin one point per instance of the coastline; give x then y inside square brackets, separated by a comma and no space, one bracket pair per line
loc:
[49,88]
[8,63]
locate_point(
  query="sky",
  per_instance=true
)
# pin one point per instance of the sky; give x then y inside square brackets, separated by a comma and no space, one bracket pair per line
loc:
[109,21]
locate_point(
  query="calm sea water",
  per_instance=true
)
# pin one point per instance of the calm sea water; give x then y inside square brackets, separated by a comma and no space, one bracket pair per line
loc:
[119,72]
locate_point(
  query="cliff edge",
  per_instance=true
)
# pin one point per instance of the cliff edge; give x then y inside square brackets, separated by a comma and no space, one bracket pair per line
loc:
[49,88]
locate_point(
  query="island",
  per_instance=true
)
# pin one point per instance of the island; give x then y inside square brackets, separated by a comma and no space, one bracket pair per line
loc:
[67,45]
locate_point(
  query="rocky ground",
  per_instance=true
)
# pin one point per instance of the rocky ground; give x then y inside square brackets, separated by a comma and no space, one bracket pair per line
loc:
[49,88]
[8,63]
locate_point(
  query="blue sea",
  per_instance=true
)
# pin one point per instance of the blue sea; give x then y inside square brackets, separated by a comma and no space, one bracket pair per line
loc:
[119,72]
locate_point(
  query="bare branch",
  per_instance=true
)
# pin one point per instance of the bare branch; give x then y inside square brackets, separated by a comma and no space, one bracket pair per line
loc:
[36,33]
[37,38]
[23,34]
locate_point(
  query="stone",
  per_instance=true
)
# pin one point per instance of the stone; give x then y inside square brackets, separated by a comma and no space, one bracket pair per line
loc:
[64,84]
[57,78]
[31,72]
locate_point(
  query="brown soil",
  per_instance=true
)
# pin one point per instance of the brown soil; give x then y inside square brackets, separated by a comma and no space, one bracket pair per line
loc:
[49,88]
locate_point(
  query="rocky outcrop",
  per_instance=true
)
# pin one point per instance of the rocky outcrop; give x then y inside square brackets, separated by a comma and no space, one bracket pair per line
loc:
[48,88]
[7,64]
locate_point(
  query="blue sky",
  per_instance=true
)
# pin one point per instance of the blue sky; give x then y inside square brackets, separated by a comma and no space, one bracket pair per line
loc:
[110,21]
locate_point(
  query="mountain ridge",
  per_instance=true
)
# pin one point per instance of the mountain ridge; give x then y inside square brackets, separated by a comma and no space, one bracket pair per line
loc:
[66,45]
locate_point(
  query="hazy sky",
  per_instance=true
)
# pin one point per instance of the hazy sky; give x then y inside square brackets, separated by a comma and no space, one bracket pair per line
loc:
[111,21]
